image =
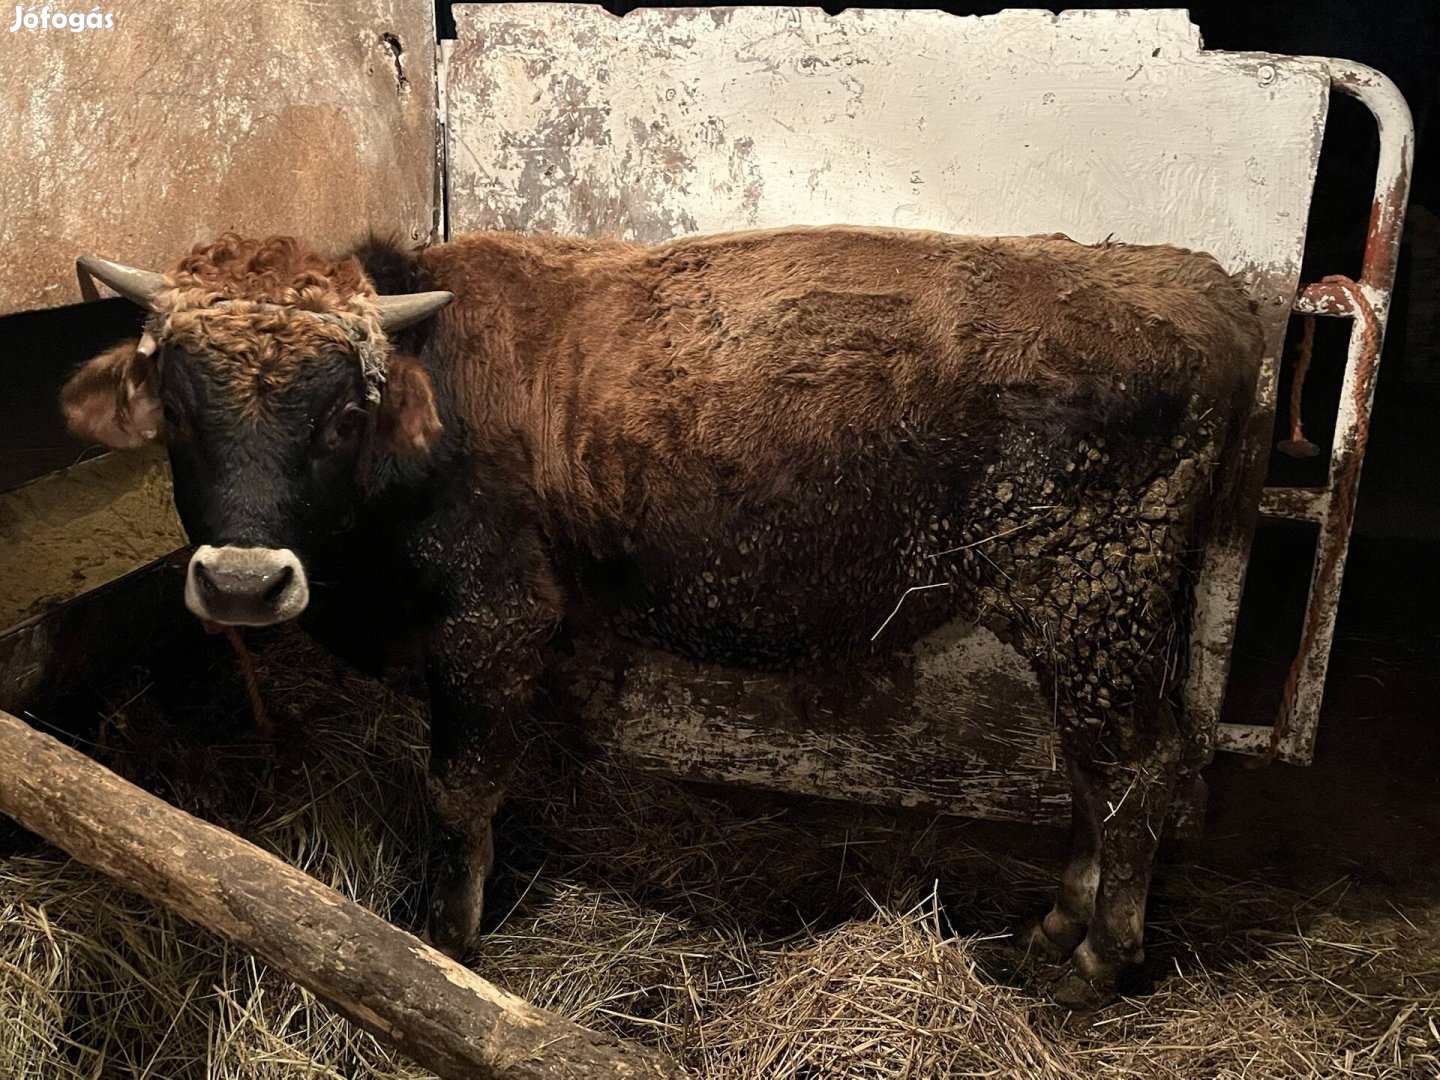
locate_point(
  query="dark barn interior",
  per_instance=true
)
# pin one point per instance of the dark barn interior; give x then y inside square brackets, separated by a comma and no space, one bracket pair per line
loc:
[1288,854]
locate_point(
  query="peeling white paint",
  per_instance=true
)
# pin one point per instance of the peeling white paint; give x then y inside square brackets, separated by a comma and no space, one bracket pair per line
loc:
[1093,123]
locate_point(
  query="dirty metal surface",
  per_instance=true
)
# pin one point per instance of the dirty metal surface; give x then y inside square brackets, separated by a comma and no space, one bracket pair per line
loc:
[1098,124]
[187,118]
[874,732]
[1367,304]
[885,732]
[73,646]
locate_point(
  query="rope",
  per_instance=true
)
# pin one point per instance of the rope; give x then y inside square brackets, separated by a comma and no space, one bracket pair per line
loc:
[1297,446]
[1342,501]
[252,682]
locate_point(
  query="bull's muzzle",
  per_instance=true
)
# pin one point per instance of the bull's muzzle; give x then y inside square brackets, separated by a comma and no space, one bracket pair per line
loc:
[245,586]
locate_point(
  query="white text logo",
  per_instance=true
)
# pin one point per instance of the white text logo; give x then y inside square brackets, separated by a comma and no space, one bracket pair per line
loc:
[74,21]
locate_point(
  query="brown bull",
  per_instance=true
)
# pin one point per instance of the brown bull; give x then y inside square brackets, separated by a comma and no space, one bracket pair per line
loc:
[744,448]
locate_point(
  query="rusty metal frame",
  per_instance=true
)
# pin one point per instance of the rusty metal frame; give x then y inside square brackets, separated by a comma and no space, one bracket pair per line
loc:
[1367,303]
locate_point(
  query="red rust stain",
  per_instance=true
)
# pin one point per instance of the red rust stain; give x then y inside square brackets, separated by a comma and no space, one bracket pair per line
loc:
[1382,242]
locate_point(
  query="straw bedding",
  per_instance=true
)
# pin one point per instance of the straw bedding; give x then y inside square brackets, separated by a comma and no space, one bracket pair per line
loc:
[752,937]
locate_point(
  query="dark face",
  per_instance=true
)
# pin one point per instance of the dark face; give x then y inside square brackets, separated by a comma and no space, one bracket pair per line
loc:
[265,468]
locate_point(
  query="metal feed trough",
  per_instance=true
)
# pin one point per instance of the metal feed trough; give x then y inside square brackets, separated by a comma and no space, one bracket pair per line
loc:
[562,118]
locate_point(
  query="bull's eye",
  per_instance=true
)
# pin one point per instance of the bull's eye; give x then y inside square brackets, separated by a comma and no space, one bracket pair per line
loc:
[344,428]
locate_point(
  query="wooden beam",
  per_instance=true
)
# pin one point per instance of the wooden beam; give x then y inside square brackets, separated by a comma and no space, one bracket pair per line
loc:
[436,1012]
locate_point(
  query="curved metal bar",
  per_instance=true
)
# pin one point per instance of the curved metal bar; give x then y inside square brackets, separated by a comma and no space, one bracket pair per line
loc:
[1293,738]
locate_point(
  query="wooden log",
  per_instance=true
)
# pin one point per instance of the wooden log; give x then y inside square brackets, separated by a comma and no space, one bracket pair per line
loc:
[436,1012]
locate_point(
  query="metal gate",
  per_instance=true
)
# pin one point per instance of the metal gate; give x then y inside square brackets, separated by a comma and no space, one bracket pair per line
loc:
[1090,123]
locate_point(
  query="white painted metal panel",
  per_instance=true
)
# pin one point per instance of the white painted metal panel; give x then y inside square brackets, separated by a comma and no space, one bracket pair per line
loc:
[1093,123]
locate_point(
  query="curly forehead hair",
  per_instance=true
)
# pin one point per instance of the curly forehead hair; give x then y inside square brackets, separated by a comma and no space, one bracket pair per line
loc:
[276,270]
[267,308]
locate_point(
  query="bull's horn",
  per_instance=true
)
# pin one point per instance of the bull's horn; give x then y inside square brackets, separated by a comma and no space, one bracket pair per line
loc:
[131,283]
[398,312]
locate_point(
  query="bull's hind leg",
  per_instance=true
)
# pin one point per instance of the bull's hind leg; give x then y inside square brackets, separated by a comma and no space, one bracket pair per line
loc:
[1133,795]
[1055,936]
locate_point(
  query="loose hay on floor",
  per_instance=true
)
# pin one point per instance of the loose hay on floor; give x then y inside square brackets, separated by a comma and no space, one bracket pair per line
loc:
[887,996]
[753,938]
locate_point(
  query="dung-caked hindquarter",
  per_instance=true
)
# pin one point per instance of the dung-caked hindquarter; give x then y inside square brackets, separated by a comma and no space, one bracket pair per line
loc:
[782,450]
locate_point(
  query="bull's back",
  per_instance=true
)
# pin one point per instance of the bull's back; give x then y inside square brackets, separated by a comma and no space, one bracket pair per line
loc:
[757,446]
[737,365]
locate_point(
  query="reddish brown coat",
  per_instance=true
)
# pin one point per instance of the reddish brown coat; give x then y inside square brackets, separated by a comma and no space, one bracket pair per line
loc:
[638,377]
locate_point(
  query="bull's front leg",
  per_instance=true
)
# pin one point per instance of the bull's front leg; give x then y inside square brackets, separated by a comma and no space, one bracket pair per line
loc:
[473,747]
[482,663]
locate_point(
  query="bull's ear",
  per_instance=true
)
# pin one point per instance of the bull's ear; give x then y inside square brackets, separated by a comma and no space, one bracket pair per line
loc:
[114,399]
[408,419]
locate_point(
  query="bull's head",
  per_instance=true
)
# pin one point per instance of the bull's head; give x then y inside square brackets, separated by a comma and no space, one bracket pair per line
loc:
[268,373]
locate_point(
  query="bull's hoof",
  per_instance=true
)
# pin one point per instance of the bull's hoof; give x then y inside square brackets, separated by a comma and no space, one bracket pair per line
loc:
[457,871]
[454,925]
[1077,993]
[1051,938]
[1033,941]
[1090,982]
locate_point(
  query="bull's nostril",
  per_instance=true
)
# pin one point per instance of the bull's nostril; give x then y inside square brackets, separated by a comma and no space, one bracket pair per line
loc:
[279,585]
[205,581]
